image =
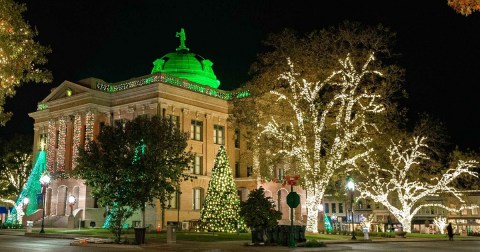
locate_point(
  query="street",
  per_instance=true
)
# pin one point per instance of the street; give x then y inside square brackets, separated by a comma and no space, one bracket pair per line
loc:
[22,243]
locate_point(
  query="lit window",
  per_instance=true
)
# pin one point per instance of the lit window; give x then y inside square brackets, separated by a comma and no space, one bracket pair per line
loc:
[43,141]
[172,203]
[474,211]
[218,134]
[197,198]
[198,165]
[196,130]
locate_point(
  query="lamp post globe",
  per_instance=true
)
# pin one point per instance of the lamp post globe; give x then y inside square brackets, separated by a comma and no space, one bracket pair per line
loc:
[71,201]
[351,189]
[44,180]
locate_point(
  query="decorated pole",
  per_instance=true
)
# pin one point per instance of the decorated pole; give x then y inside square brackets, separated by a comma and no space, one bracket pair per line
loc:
[293,200]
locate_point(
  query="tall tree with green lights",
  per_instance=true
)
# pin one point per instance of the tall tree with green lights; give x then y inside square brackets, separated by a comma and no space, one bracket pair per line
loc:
[221,210]
[20,55]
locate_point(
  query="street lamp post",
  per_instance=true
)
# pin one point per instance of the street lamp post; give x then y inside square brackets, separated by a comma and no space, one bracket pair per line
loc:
[26,200]
[44,180]
[71,201]
[351,189]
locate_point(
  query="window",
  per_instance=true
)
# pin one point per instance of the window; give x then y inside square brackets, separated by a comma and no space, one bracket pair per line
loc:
[196,130]
[172,203]
[280,173]
[197,198]
[340,207]
[198,165]
[218,134]
[175,120]
[237,170]
[334,208]
[43,141]
[325,209]
[474,211]
[237,138]
[249,171]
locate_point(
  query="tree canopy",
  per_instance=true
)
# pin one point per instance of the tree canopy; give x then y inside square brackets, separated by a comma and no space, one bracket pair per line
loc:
[316,100]
[20,56]
[15,166]
[133,164]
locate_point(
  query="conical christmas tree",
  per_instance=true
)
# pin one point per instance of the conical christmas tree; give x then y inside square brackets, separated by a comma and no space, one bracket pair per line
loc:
[221,210]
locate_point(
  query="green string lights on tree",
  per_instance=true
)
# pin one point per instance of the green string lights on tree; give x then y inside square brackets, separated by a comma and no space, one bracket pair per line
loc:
[221,210]
[31,189]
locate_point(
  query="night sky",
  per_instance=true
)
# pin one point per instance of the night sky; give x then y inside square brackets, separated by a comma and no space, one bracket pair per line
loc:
[118,40]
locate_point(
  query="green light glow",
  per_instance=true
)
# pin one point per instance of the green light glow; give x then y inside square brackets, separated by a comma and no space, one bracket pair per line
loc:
[30,190]
[328,225]
[186,65]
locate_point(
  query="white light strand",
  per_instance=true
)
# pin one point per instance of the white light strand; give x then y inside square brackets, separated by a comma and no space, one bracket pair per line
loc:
[384,185]
[349,106]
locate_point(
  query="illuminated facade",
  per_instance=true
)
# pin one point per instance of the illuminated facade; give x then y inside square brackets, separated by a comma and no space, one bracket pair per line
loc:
[182,87]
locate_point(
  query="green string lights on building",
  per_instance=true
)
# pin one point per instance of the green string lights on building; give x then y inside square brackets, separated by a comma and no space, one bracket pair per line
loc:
[221,210]
[32,190]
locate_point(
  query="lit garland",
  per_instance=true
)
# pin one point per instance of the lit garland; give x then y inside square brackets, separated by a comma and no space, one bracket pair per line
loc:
[89,123]
[51,150]
[383,184]
[221,210]
[62,137]
[77,130]
[161,77]
[441,223]
[349,106]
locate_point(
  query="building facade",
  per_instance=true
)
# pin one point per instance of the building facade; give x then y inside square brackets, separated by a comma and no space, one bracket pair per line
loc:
[182,87]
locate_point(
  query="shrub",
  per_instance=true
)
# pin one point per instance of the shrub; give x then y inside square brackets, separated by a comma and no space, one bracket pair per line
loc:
[312,244]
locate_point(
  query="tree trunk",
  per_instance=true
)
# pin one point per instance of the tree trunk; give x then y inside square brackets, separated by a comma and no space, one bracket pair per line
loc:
[143,216]
[312,210]
[407,224]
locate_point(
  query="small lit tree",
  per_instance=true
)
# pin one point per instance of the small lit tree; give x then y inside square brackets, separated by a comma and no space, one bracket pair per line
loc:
[441,223]
[400,180]
[221,210]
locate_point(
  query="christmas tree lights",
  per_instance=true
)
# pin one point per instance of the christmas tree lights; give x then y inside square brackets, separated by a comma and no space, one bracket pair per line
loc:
[31,189]
[221,210]
[400,181]
[344,115]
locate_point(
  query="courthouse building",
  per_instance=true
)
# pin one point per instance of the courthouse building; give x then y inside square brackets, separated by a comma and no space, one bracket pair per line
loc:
[182,86]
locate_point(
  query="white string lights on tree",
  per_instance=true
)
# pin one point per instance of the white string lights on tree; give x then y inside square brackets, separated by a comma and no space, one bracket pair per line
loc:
[441,223]
[344,115]
[399,181]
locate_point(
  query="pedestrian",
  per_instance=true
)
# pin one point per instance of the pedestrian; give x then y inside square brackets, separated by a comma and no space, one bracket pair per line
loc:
[450,231]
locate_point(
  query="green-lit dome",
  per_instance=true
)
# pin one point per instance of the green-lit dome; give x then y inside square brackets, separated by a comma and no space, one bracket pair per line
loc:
[187,65]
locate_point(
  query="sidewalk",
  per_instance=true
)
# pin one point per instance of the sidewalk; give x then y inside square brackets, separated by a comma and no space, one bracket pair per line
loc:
[235,246]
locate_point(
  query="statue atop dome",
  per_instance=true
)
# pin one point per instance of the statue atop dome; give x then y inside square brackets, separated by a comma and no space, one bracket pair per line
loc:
[181,34]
